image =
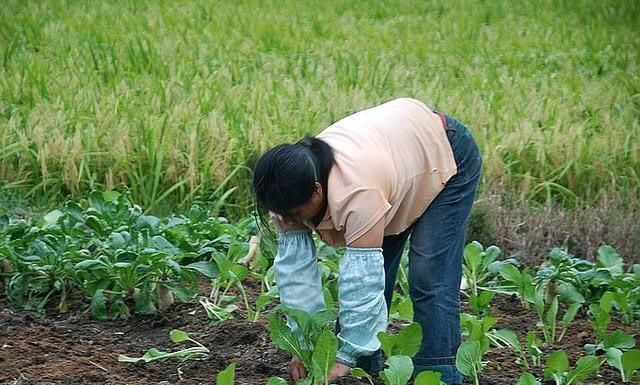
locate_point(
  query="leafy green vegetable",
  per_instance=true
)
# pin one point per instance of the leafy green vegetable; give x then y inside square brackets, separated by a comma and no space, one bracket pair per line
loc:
[468,360]
[399,370]
[227,376]
[407,342]
[177,336]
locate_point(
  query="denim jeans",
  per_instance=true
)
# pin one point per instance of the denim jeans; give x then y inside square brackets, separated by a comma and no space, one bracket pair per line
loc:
[436,249]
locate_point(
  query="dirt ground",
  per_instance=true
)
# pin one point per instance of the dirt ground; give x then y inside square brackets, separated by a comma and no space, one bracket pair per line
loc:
[74,349]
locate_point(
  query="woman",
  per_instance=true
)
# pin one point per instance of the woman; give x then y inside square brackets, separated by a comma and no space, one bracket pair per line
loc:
[368,182]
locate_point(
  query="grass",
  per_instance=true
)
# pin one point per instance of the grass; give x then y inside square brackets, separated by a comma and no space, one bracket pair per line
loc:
[170,98]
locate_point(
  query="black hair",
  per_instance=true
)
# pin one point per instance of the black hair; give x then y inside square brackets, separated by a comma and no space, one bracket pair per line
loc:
[285,176]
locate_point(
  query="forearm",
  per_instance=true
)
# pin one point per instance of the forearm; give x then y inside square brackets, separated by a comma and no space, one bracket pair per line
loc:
[363,311]
[297,274]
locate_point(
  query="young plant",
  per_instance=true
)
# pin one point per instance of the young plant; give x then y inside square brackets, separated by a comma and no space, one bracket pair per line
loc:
[478,329]
[481,304]
[568,317]
[227,376]
[399,371]
[217,313]
[511,339]
[618,340]
[197,352]
[533,348]
[527,379]
[406,343]
[479,265]
[558,368]
[468,360]
[230,274]
[312,341]
[626,362]
[601,315]
[564,275]
[546,318]
[522,281]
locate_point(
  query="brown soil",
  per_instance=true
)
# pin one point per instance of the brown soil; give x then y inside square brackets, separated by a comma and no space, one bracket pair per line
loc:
[74,349]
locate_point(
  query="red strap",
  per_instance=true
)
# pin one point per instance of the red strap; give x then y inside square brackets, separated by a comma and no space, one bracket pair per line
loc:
[444,123]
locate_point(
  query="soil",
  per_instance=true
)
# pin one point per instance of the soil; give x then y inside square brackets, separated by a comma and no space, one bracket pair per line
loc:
[72,348]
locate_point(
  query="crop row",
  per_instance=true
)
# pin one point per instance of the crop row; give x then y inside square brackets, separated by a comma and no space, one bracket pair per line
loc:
[125,261]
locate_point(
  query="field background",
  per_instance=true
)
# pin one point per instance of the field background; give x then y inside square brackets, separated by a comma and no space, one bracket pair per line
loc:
[176,100]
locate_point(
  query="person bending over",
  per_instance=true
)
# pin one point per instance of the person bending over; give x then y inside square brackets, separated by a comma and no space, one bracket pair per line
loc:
[370,181]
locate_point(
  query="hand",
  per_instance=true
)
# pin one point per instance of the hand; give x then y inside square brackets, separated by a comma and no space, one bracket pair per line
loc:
[284,224]
[297,369]
[338,370]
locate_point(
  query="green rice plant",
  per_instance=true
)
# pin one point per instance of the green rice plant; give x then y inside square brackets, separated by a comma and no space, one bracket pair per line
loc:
[113,94]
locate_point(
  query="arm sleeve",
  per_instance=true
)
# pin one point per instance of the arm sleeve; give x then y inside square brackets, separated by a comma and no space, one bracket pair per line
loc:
[363,311]
[297,274]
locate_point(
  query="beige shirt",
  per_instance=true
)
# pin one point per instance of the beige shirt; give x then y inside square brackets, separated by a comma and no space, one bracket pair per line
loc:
[390,162]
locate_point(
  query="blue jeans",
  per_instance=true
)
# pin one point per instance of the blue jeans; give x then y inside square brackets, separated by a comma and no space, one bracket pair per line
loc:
[435,262]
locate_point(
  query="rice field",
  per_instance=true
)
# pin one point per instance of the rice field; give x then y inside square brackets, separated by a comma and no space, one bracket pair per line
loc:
[177,99]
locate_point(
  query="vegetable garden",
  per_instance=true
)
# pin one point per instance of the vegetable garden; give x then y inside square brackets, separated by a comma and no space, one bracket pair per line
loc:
[134,298]
[129,251]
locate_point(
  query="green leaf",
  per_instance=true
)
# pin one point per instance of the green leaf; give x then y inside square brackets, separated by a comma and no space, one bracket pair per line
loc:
[619,339]
[467,356]
[614,358]
[473,255]
[184,294]
[511,273]
[557,364]
[409,340]
[359,373]
[151,355]
[324,354]
[606,301]
[227,376]
[98,306]
[511,338]
[630,362]
[277,381]
[160,243]
[178,336]
[87,264]
[387,341]
[110,196]
[570,314]
[94,224]
[406,343]
[399,370]
[283,337]
[208,269]
[148,222]
[585,367]
[51,219]
[569,293]
[527,379]
[610,259]
[428,378]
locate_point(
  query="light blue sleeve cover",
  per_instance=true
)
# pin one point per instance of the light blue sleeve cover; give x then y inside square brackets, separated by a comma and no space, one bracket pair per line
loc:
[297,274]
[363,310]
